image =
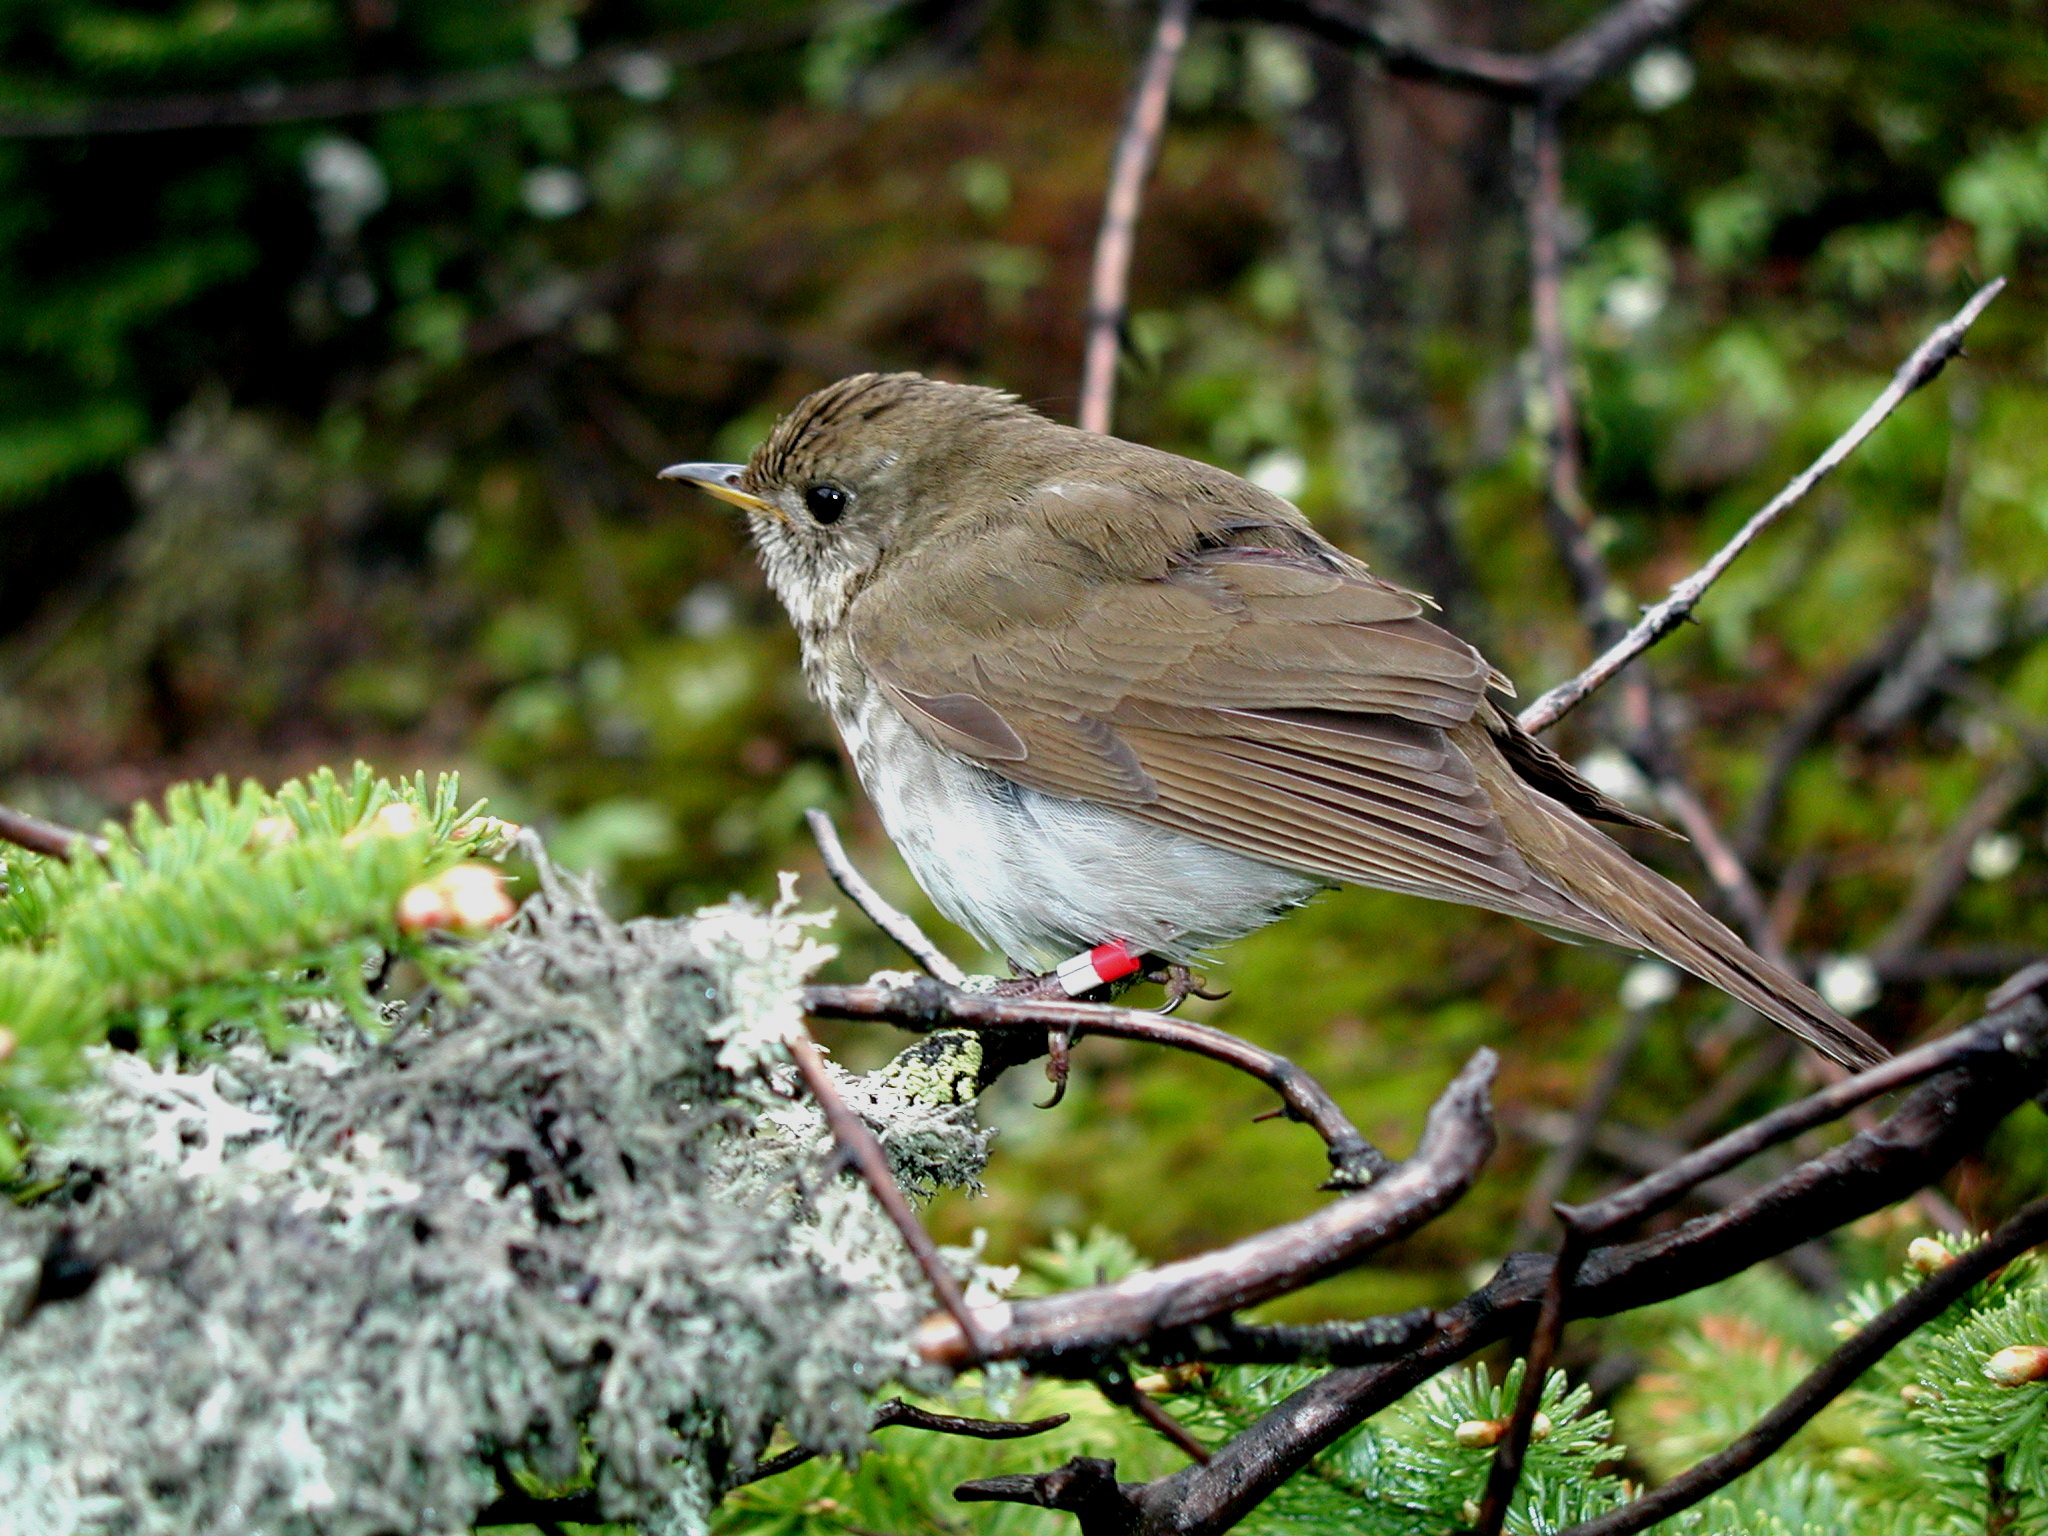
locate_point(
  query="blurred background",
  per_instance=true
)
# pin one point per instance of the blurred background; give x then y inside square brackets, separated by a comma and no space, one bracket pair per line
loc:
[342,338]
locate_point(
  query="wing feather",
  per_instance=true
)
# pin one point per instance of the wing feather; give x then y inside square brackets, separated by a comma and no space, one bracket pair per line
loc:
[1257,689]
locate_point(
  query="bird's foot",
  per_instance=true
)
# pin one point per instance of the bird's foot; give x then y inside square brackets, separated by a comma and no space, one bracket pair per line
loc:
[1180,985]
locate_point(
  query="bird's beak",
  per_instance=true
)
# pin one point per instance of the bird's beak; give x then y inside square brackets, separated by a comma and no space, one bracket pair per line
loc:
[722,481]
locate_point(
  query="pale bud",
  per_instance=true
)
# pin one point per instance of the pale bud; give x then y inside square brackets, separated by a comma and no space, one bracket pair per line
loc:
[7,1043]
[1479,1434]
[1928,1256]
[493,835]
[2017,1365]
[397,819]
[1844,1327]
[273,832]
[1915,1394]
[1540,1427]
[1469,1512]
[470,898]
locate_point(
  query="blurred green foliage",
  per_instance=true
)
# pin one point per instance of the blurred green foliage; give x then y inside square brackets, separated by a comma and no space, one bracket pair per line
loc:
[334,437]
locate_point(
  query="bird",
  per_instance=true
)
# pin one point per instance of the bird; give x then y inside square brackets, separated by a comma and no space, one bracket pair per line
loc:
[1108,700]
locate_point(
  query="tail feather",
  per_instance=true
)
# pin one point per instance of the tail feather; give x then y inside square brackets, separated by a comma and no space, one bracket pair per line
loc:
[1670,924]
[1594,887]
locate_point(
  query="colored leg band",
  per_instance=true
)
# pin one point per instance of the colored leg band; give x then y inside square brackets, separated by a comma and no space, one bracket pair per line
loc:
[1097,967]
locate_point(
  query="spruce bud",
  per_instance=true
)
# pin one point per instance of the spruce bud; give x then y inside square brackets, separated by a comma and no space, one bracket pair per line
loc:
[2018,1364]
[1928,1256]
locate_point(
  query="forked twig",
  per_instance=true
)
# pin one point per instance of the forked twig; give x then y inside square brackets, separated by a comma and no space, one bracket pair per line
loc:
[1663,617]
[866,1153]
[1109,279]
[1833,1376]
[899,926]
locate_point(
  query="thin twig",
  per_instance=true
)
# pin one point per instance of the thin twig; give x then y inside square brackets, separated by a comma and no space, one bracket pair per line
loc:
[1564,503]
[1936,1125]
[899,926]
[1661,619]
[1944,875]
[1833,1376]
[860,1145]
[1549,1184]
[1655,1193]
[45,837]
[1109,279]
[895,1412]
[1117,1386]
[268,102]
[1504,1476]
[922,1004]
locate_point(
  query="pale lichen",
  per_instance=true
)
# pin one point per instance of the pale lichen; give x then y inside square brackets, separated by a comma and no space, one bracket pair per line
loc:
[582,1224]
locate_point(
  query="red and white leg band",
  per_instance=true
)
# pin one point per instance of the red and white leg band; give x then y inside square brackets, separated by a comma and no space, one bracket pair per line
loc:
[1097,967]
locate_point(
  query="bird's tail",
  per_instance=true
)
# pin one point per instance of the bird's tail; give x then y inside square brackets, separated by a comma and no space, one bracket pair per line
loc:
[1598,875]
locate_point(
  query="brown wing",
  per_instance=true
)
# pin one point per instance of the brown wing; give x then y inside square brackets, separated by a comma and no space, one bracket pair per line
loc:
[1246,683]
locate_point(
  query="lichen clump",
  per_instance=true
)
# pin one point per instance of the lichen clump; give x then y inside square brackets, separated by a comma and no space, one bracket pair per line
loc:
[580,1224]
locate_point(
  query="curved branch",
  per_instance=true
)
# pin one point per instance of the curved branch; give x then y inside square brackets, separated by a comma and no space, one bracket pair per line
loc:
[922,1004]
[899,926]
[1070,1333]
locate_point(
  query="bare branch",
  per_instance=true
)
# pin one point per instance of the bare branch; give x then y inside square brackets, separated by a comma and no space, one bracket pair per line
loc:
[1504,1476]
[1663,1188]
[1833,1376]
[1137,147]
[860,1145]
[1564,503]
[269,102]
[923,1005]
[1558,75]
[1943,876]
[1069,1333]
[1923,366]
[45,837]
[899,926]
[1940,1121]
[897,1412]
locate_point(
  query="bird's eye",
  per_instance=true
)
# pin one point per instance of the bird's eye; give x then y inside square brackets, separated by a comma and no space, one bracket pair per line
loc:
[825,502]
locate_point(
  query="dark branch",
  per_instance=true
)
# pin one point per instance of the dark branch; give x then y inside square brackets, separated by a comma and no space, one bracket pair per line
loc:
[1070,1334]
[1833,1376]
[1137,147]
[1987,1037]
[922,1005]
[1362,1341]
[271,103]
[895,1412]
[1661,619]
[1557,76]
[1938,1123]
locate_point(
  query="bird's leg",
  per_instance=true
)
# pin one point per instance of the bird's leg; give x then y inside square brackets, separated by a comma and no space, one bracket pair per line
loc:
[1059,1045]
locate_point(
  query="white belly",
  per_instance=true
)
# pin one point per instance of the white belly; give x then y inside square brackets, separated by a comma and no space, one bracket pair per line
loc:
[1039,877]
